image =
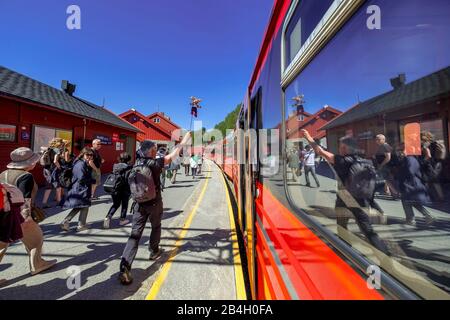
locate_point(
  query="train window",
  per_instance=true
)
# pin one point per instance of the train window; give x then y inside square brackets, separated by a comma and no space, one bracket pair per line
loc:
[370,160]
[307,15]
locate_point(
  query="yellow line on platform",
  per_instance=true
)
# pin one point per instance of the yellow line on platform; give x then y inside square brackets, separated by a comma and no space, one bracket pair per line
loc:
[156,287]
[241,293]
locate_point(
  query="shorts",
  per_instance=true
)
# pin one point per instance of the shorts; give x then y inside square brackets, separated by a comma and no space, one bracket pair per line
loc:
[97,177]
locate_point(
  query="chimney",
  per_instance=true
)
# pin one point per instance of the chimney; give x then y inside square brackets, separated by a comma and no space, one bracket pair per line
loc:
[68,87]
[399,81]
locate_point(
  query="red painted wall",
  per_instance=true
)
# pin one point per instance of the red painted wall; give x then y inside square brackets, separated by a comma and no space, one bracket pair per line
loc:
[26,115]
[151,132]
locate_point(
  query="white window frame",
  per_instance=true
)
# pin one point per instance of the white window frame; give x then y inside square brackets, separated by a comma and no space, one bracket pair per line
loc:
[157,120]
[338,13]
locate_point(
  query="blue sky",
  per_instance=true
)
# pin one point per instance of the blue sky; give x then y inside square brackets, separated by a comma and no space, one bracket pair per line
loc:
[139,53]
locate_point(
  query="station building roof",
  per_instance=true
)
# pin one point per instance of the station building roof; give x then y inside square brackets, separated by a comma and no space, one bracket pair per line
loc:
[14,84]
[420,91]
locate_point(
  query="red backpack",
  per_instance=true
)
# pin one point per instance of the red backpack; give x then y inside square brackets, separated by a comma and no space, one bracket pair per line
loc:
[10,196]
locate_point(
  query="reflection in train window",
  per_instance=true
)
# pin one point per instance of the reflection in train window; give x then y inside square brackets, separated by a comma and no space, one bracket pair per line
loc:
[369,160]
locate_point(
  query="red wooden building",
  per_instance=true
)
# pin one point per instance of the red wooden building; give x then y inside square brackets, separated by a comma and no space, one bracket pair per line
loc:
[311,122]
[33,113]
[156,127]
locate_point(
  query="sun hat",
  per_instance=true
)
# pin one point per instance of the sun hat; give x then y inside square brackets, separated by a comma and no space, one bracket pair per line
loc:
[23,158]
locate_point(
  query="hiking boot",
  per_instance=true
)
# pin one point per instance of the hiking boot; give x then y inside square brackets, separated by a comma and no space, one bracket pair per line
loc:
[124,222]
[125,277]
[155,255]
[65,226]
[45,265]
[106,223]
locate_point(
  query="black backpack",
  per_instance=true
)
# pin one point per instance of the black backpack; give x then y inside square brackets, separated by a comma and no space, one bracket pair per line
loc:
[142,185]
[114,183]
[65,178]
[361,180]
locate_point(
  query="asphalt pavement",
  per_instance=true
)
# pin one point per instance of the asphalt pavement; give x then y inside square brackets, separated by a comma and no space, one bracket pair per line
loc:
[200,257]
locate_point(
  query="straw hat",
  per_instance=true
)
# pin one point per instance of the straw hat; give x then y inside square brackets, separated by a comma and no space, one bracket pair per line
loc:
[23,158]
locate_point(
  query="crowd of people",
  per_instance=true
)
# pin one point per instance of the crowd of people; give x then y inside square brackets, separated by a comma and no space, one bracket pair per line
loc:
[75,181]
[414,178]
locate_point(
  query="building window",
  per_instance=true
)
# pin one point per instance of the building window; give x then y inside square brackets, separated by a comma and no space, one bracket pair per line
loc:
[301,118]
[157,120]
[42,137]
[306,18]
[7,133]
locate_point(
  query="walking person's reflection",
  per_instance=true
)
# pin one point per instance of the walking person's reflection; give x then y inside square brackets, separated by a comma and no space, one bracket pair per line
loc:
[433,170]
[355,177]
[414,193]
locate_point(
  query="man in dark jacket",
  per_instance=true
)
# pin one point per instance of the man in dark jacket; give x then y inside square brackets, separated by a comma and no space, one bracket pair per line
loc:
[342,163]
[151,210]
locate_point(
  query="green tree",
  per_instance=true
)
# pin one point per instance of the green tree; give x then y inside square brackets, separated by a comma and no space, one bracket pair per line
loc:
[230,121]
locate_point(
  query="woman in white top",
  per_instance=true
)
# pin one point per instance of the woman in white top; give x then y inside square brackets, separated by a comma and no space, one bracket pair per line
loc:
[194,165]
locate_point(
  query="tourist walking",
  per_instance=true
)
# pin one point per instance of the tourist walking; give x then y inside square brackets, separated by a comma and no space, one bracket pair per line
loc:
[79,196]
[96,165]
[52,160]
[120,192]
[356,186]
[193,162]
[147,169]
[19,224]
[309,160]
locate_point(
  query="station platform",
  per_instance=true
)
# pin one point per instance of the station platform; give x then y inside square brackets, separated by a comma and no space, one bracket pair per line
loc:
[202,259]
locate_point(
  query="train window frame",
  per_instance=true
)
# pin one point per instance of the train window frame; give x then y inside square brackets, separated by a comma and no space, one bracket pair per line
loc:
[336,20]
[336,16]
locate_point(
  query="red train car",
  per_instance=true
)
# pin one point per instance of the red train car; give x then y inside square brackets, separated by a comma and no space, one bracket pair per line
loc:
[343,55]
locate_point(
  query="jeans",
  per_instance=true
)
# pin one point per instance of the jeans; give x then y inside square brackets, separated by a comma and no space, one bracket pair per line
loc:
[83,215]
[142,213]
[186,170]
[409,211]
[119,200]
[194,172]
[312,170]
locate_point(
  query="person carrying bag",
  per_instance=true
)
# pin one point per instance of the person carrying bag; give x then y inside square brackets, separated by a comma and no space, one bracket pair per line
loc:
[18,175]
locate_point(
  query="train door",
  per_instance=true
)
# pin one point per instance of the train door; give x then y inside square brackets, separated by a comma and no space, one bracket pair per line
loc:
[251,173]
